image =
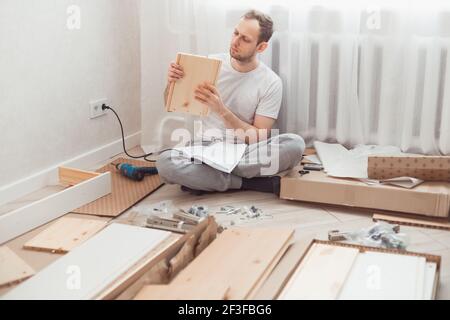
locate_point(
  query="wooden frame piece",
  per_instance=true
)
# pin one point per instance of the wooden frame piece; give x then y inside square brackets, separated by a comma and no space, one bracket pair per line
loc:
[33,215]
[198,69]
[429,258]
[443,224]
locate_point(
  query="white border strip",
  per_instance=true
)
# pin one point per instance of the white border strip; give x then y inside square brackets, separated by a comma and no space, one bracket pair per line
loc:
[49,176]
[33,215]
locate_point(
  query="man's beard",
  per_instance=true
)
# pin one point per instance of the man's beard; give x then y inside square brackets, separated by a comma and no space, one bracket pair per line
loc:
[242,59]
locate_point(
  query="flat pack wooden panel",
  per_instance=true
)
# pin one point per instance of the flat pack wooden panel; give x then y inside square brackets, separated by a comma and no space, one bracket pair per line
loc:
[197,70]
[377,275]
[12,268]
[65,234]
[125,192]
[91,267]
[33,215]
[321,274]
[436,223]
[231,266]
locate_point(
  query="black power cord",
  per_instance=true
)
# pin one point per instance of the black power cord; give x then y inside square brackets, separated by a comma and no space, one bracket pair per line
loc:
[105,107]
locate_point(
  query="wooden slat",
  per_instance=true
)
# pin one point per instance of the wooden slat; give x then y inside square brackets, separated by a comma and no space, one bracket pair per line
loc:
[234,263]
[321,274]
[12,268]
[88,269]
[65,234]
[71,177]
[437,223]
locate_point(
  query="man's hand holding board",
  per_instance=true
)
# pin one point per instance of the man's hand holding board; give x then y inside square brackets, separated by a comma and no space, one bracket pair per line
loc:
[185,76]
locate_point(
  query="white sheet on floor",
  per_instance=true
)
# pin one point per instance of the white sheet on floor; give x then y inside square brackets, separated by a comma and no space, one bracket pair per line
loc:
[342,163]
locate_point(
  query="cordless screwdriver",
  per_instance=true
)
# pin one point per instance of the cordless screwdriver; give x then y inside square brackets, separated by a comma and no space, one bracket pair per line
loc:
[135,173]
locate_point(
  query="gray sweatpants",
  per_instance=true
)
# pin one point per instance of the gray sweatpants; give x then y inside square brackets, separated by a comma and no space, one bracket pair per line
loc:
[265,158]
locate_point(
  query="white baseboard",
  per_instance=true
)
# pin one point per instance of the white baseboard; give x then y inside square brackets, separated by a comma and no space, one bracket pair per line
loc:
[49,176]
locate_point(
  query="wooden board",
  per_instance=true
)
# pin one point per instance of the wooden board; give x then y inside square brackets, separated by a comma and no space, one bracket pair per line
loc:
[321,274]
[197,70]
[377,275]
[12,268]
[236,262]
[91,267]
[65,234]
[33,215]
[443,224]
[283,271]
[125,192]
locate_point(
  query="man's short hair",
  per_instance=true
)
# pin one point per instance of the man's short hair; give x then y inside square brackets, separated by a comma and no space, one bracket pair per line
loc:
[265,24]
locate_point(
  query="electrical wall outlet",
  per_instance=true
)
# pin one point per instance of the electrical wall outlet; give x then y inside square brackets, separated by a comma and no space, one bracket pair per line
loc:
[95,108]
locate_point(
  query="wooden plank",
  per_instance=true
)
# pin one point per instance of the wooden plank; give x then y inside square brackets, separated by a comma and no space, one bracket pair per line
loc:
[65,234]
[91,267]
[321,274]
[33,215]
[197,70]
[124,191]
[71,177]
[235,262]
[12,268]
[378,275]
[281,274]
[443,224]
[165,292]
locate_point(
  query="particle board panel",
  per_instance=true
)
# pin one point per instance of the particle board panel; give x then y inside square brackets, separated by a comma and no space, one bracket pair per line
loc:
[235,262]
[12,268]
[197,70]
[65,234]
[125,192]
[91,267]
[35,214]
[322,273]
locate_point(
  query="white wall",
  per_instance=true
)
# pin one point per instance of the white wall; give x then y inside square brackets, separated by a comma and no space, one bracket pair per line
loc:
[159,46]
[48,75]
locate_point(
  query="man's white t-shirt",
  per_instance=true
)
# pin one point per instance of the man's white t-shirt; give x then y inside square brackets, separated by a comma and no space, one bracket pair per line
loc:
[258,92]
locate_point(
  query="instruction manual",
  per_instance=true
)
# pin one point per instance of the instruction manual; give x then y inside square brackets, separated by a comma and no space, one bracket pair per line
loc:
[220,155]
